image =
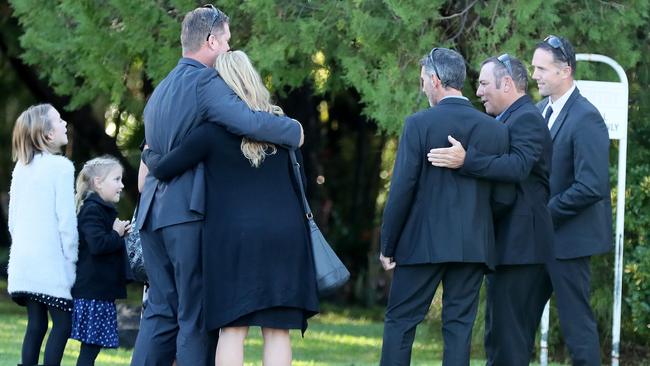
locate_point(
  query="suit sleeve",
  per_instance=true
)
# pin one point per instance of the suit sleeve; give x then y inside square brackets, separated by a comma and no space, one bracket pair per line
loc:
[406,171]
[590,142]
[192,150]
[65,212]
[527,135]
[93,230]
[220,105]
[503,195]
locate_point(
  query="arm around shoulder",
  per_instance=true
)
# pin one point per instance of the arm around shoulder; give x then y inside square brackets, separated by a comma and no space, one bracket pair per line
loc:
[219,104]
[191,151]
[527,136]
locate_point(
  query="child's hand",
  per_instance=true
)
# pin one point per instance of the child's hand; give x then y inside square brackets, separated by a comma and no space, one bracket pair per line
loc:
[120,226]
[128,227]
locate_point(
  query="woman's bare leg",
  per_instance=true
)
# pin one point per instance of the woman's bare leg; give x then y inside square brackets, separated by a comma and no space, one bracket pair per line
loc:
[230,348]
[277,347]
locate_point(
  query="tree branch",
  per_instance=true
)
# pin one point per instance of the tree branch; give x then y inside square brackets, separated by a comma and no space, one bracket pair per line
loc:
[459,13]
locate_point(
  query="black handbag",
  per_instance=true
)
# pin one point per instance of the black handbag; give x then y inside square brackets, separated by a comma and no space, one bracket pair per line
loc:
[330,271]
[134,252]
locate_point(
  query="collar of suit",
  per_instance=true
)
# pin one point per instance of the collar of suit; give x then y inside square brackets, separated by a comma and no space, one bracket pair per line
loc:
[558,105]
[190,61]
[454,100]
[561,117]
[524,99]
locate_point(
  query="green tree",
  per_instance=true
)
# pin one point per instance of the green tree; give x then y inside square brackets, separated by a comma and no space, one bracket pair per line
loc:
[349,71]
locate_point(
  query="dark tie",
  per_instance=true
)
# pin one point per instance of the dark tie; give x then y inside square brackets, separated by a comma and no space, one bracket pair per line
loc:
[547,116]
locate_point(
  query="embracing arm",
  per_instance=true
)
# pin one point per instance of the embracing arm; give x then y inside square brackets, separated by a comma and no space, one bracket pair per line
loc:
[590,170]
[192,150]
[527,137]
[219,104]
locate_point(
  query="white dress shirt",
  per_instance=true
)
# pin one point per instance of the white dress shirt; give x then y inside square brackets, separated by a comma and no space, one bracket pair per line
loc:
[557,105]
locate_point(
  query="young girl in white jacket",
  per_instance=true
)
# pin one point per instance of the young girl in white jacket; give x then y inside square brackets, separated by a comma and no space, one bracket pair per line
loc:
[43,228]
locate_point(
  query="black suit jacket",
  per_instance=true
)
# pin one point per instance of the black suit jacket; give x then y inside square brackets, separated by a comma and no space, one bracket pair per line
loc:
[101,268]
[436,215]
[580,201]
[525,234]
[190,95]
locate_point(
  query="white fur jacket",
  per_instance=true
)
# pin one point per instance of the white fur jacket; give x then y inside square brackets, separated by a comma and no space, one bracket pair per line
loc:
[43,227]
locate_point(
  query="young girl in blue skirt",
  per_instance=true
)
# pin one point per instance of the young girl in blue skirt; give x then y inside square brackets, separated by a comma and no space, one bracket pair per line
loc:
[101,269]
[43,228]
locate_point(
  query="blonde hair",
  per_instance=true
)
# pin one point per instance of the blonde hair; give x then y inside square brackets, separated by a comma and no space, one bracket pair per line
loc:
[30,134]
[95,168]
[238,72]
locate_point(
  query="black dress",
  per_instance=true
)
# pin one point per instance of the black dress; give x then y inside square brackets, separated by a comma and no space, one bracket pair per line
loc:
[257,261]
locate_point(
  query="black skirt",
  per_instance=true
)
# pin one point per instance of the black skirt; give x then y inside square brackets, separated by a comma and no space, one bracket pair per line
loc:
[278,317]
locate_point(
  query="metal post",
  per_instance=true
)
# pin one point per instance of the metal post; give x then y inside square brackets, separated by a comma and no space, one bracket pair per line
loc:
[618,263]
[543,352]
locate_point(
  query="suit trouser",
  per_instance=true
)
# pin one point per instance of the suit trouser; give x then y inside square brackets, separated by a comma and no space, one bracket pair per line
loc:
[510,296]
[409,300]
[171,326]
[570,280]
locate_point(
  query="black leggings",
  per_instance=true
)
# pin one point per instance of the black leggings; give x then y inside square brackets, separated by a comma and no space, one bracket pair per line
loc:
[36,329]
[88,354]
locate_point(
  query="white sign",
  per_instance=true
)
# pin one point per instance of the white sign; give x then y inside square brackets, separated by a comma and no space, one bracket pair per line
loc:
[611,101]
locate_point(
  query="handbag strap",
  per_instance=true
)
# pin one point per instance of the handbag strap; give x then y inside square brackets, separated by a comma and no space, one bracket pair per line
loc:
[296,173]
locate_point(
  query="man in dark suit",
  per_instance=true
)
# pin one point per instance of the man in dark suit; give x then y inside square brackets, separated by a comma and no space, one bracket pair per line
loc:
[171,214]
[580,202]
[524,236]
[437,224]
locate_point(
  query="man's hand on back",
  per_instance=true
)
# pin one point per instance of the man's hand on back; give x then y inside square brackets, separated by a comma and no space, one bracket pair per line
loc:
[448,157]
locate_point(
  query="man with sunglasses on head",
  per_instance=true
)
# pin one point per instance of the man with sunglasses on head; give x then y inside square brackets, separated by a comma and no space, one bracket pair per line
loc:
[170,214]
[580,202]
[437,225]
[524,235]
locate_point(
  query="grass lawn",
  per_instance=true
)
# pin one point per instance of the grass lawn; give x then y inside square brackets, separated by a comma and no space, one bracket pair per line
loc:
[336,337]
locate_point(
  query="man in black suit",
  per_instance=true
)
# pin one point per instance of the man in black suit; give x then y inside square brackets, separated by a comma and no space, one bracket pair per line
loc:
[580,202]
[524,236]
[437,224]
[170,213]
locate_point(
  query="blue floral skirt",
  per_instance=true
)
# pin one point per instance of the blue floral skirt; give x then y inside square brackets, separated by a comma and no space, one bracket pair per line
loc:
[95,322]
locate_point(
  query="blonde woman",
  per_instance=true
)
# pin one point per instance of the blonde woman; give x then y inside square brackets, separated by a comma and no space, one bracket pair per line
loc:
[257,262]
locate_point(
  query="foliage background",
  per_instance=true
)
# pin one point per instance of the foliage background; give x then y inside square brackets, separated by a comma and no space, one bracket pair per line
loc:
[348,70]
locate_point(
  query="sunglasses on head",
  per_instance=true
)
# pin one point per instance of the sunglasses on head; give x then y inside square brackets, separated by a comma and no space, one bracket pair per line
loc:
[431,61]
[216,14]
[505,61]
[556,43]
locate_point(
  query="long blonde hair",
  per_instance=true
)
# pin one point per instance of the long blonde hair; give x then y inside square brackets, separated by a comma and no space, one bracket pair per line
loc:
[238,72]
[30,134]
[96,168]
